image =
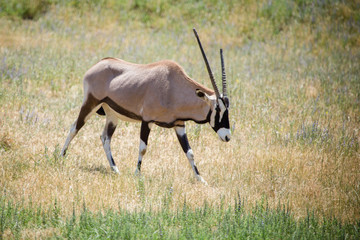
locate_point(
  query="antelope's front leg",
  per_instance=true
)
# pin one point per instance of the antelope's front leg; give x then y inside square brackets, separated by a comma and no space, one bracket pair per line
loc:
[144,135]
[181,135]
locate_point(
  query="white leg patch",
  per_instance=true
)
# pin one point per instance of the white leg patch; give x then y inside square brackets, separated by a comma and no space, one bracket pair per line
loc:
[180,131]
[142,148]
[142,151]
[115,169]
[200,179]
[106,144]
[107,148]
[190,156]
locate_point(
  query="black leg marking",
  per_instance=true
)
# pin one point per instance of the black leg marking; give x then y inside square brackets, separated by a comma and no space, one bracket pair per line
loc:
[110,126]
[184,142]
[112,161]
[110,129]
[144,132]
[139,165]
[196,170]
[144,135]
[85,112]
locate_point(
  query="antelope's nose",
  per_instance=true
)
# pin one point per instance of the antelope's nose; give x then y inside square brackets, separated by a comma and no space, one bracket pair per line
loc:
[227,138]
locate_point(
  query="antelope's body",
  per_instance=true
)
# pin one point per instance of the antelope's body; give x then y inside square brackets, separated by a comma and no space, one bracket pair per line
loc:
[159,93]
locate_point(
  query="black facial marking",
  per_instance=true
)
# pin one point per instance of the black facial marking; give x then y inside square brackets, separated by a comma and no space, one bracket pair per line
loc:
[226,102]
[225,119]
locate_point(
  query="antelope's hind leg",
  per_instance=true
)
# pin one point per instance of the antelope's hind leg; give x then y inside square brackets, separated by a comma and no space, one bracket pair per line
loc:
[89,107]
[184,142]
[110,126]
[144,135]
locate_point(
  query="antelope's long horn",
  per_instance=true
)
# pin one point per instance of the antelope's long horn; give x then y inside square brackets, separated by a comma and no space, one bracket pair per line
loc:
[223,75]
[207,66]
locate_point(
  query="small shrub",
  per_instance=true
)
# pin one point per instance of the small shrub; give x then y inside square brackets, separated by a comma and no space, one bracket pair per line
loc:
[279,12]
[5,142]
[23,9]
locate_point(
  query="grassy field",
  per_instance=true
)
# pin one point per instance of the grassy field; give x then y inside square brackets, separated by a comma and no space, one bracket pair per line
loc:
[294,82]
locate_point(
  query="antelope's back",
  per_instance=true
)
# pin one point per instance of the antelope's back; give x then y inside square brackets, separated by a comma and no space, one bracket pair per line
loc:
[156,92]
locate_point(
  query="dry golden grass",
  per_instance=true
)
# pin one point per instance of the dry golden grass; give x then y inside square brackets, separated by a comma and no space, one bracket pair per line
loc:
[257,163]
[303,178]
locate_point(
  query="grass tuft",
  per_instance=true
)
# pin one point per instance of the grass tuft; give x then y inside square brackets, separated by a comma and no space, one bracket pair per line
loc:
[203,222]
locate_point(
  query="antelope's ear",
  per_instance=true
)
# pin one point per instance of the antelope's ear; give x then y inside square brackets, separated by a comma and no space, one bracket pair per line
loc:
[227,102]
[203,96]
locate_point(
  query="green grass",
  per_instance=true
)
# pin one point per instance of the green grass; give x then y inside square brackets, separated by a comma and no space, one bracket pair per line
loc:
[205,222]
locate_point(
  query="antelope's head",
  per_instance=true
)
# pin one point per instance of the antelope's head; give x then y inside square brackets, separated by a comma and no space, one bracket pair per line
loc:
[219,103]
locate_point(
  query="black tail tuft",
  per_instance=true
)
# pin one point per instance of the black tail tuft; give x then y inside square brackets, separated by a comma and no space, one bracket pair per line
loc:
[101,111]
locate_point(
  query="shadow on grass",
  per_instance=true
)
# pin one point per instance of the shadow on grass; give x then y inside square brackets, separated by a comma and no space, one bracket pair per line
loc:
[96,169]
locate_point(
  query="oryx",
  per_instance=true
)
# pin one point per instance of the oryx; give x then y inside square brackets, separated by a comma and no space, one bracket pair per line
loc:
[158,93]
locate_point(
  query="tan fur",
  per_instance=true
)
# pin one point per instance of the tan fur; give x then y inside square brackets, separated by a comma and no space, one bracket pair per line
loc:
[160,92]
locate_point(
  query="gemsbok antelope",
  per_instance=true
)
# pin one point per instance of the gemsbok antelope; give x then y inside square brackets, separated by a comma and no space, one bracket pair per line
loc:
[158,93]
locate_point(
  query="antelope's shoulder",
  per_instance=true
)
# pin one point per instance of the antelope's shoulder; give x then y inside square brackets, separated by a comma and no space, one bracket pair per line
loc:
[168,66]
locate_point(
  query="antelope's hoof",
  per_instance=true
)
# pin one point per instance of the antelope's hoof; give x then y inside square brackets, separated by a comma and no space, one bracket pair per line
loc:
[137,172]
[115,169]
[200,179]
[62,153]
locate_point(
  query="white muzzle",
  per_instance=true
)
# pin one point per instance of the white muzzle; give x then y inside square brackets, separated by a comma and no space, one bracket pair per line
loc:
[224,134]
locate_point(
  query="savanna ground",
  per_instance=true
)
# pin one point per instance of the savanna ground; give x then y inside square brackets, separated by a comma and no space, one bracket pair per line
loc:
[293,160]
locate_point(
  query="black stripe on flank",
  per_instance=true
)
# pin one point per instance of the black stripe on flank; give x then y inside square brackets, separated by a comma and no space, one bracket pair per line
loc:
[119,109]
[174,123]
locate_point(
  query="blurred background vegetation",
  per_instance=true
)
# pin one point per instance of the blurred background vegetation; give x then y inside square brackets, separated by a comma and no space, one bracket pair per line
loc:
[335,18]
